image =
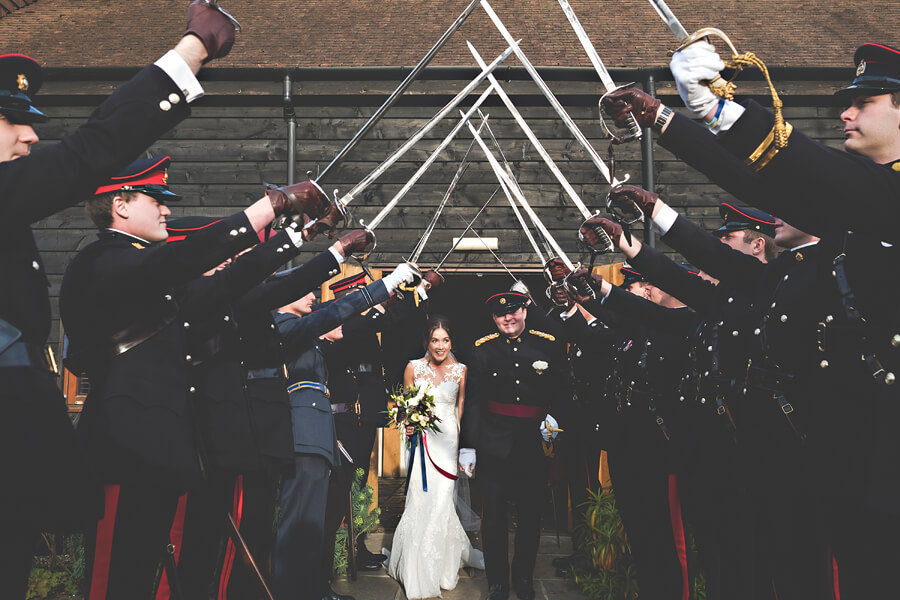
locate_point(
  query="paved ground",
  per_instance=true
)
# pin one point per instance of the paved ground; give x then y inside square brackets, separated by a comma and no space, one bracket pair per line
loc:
[377,585]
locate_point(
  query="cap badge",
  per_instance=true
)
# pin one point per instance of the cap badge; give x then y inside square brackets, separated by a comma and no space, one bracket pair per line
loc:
[798,256]
[165,177]
[502,300]
[861,68]
[22,82]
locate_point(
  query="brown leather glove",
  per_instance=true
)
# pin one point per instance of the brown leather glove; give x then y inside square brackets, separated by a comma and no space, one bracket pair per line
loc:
[618,103]
[298,199]
[431,279]
[556,269]
[560,296]
[327,224]
[213,28]
[355,241]
[589,235]
[578,286]
[624,196]
[596,281]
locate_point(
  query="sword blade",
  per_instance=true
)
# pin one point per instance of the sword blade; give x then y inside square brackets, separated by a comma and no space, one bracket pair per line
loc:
[463,164]
[523,125]
[599,67]
[551,98]
[368,179]
[246,556]
[669,18]
[466,230]
[520,197]
[392,99]
[430,161]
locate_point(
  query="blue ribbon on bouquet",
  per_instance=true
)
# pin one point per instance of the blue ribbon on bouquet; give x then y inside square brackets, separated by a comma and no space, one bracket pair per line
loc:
[413,442]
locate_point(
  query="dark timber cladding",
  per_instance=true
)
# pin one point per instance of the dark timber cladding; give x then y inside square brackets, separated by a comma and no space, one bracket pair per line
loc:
[236,140]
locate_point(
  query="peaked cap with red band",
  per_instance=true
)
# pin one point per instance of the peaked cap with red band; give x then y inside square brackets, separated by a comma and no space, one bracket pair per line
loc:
[631,276]
[147,175]
[877,71]
[740,218]
[20,80]
[506,302]
[347,283]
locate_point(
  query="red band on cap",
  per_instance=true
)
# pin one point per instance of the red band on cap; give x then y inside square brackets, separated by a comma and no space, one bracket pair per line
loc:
[523,296]
[743,214]
[152,175]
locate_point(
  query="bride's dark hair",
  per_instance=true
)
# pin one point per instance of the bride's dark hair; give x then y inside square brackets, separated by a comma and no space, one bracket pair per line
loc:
[434,323]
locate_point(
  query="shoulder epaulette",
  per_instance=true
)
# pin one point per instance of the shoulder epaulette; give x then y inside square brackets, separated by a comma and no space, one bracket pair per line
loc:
[486,338]
[546,336]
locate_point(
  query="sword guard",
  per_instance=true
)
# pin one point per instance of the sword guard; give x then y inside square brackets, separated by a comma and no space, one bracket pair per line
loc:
[719,86]
[605,245]
[634,131]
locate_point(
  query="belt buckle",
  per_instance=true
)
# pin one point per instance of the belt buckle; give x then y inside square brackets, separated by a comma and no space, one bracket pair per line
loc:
[357,408]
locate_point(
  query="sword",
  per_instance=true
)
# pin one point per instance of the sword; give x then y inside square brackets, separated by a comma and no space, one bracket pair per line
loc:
[463,164]
[368,179]
[466,230]
[413,75]
[717,84]
[246,557]
[634,129]
[545,89]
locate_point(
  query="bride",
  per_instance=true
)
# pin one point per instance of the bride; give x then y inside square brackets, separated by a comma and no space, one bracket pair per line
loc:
[430,544]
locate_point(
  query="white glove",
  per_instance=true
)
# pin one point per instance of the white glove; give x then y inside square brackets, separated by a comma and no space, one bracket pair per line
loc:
[467,460]
[423,295]
[546,433]
[404,273]
[693,68]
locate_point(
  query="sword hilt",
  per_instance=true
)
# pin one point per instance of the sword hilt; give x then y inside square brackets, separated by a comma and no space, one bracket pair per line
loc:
[719,86]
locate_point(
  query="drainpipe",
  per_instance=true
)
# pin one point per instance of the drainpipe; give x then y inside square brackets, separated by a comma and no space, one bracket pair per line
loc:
[647,174]
[290,118]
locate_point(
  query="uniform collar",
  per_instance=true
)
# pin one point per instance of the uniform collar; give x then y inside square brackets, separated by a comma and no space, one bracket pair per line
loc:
[114,232]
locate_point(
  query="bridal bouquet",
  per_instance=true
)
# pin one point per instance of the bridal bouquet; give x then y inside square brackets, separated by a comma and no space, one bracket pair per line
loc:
[413,407]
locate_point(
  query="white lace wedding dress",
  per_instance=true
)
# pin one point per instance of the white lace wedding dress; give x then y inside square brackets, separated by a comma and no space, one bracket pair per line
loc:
[430,544]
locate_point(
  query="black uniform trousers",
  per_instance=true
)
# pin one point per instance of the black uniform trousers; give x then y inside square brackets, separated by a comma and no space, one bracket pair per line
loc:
[130,542]
[579,453]
[523,483]
[298,544]
[259,496]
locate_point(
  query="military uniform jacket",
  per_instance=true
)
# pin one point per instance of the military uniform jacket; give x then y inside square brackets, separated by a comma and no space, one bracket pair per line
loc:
[225,417]
[138,420]
[311,417]
[502,370]
[809,183]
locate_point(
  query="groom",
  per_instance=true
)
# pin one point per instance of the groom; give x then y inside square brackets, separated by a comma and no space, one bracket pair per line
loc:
[517,377]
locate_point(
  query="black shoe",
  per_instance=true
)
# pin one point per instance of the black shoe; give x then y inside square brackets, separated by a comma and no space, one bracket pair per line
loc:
[497,592]
[524,589]
[366,560]
[333,595]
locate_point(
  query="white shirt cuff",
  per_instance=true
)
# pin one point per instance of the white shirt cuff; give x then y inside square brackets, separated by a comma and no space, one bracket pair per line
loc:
[664,220]
[337,255]
[296,236]
[178,71]
[606,295]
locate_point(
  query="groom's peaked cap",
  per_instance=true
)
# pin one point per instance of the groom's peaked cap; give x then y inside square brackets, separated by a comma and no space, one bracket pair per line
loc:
[506,302]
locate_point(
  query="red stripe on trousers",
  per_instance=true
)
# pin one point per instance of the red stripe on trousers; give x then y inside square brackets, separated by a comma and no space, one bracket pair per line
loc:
[176,538]
[230,550]
[103,547]
[836,579]
[678,533]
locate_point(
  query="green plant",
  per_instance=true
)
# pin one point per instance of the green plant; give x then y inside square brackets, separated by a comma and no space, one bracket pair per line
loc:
[364,520]
[56,574]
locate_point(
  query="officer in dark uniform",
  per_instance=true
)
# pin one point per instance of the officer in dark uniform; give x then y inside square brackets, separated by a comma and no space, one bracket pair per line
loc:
[809,184]
[517,378]
[225,421]
[120,303]
[298,546]
[590,351]
[36,428]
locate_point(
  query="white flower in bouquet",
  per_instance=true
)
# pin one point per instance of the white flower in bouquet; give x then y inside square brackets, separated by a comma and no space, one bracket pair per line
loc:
[414,417]
[540,366]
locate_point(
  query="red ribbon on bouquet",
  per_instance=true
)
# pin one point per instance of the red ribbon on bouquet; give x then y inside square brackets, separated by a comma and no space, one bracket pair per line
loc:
[434,464]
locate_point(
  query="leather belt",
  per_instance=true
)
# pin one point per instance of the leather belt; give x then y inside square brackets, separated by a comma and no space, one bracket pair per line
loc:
[24,354]
[342,407]
[524,411]
[312,385]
